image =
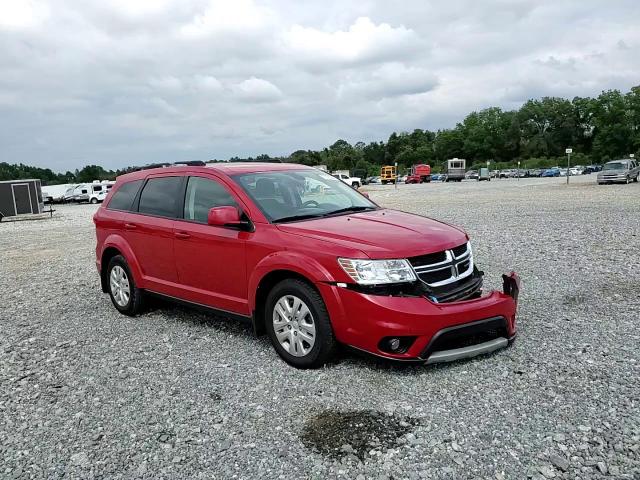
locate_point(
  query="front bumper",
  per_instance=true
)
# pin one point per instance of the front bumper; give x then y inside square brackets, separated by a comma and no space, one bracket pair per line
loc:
[430,332]
[612,178]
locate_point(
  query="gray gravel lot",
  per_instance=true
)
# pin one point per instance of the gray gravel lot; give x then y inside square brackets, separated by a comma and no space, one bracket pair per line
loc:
[88,393]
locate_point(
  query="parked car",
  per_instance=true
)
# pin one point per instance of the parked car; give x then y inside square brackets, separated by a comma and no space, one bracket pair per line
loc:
[551,172]
[619,171]
[312,269]
[438,177]
[495,173]
[484,175]
[507,173]
[591,169]
[355,182]
[535,172]
[471,175]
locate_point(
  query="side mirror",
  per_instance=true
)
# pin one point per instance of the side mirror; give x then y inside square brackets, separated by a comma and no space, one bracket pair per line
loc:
[224,217]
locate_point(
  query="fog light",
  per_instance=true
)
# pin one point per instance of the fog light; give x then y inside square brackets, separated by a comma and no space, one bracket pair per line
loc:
[394,344]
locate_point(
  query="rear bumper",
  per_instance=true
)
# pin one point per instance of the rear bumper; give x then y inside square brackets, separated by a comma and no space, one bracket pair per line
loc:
[429,332]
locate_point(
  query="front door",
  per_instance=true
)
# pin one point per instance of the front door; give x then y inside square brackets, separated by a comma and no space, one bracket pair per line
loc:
[210,260]
[22,198]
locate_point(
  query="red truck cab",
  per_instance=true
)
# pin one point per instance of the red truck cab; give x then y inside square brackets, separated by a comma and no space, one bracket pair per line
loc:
[419,174]
[307,259]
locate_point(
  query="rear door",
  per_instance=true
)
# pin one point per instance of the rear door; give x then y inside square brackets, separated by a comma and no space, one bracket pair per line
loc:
[149,229]
[22,198]
[210,259]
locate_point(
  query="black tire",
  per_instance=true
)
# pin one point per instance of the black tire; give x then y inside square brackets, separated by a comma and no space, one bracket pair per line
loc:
[325,345]
[135,303]
[636,179]
[94,201]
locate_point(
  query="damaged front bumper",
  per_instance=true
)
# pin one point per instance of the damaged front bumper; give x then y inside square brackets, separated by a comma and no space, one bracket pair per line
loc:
[418,328]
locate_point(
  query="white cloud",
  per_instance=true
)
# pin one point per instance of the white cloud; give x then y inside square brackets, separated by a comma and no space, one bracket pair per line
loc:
[257,90]
[228,16]
[20,14]
[362,42]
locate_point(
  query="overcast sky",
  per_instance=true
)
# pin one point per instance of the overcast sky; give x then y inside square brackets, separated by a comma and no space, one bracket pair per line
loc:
[128,82]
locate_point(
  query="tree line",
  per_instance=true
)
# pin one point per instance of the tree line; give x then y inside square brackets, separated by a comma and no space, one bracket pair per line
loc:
[597,129]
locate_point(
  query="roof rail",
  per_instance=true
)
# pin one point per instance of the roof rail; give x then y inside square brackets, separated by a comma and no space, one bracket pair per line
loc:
[191,163]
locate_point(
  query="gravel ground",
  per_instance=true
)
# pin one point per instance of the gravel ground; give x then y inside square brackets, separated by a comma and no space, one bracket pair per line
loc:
[88,393]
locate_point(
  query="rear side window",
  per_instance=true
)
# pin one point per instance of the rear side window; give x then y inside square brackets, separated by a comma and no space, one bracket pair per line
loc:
[160,196]
[122,198]
[203,194]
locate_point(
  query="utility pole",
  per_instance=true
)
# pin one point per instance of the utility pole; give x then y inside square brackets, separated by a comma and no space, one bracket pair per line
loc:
[397,175]
[568,151]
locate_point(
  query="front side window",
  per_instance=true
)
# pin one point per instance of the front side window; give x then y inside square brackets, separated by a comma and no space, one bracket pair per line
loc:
[160,196]
[301,194]
[122,199]
[203,194]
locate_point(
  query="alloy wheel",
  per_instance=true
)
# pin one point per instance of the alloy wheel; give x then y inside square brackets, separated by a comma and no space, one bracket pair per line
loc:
[294,326]
[119,283]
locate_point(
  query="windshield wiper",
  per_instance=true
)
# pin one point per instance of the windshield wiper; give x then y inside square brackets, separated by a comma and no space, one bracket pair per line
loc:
[297,217]
[348,209]
[308,216]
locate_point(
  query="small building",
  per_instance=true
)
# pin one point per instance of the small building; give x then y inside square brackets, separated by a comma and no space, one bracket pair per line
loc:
[20,197]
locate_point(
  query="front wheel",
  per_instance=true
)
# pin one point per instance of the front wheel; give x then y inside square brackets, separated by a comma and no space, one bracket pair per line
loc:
[298,324]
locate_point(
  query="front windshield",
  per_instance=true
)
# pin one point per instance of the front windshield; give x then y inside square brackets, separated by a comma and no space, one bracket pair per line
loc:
[291,195]
[614,166]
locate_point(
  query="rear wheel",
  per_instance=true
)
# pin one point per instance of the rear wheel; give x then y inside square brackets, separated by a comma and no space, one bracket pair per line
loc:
[126,297]
[298,324]
[94,200]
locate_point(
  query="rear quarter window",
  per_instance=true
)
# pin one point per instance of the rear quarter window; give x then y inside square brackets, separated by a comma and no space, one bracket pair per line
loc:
[122,198]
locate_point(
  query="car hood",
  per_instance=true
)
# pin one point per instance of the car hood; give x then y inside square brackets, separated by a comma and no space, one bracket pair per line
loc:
[382,233]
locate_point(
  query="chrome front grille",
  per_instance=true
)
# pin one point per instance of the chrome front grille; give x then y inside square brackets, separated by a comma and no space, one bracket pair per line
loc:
[443,268]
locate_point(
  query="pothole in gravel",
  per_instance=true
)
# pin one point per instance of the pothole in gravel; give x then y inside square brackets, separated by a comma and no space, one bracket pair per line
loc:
[337,434]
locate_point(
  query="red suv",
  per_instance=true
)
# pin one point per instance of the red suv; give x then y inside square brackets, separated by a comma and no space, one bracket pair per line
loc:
[309,260]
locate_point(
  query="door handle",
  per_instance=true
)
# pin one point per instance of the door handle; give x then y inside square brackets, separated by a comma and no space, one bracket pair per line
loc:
[182,235]
[129,226]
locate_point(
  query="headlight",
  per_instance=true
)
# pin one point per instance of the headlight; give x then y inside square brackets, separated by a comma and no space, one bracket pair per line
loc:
[375,272]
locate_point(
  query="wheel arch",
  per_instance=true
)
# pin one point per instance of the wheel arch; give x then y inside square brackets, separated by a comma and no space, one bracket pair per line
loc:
[274,269]
[116,245]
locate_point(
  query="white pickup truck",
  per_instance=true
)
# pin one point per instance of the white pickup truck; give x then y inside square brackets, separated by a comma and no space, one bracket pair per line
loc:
[344,175]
